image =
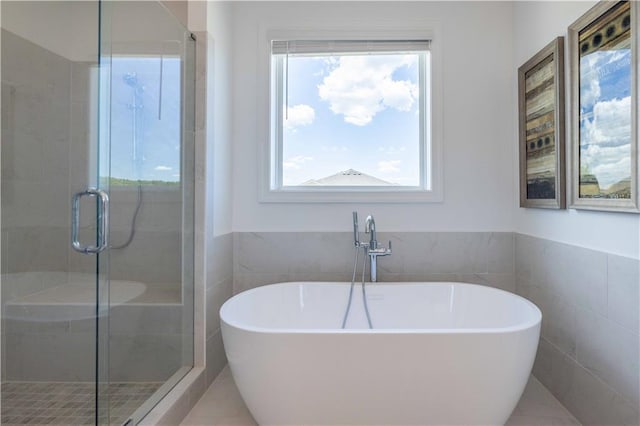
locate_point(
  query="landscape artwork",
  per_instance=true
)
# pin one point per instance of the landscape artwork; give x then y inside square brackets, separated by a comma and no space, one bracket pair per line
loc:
[542,128]
[605,106]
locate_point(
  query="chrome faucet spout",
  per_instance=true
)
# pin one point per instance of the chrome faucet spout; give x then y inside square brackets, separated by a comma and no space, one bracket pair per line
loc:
[370,228]
[371,248]
[373,251]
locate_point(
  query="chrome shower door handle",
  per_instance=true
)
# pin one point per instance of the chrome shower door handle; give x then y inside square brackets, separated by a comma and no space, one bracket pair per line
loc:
[103,221]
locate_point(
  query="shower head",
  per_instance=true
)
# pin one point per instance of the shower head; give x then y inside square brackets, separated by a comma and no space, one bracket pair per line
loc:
[131,79]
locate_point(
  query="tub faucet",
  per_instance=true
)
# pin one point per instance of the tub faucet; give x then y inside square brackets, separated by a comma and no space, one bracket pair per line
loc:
[373,250]
[370,228]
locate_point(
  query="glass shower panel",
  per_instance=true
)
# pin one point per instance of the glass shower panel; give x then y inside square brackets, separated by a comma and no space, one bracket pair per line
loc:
[49,79]
[94,95]
[150,178]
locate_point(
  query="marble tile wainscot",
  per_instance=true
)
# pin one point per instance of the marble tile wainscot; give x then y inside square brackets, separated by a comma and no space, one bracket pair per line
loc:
[588,353]
[477,257]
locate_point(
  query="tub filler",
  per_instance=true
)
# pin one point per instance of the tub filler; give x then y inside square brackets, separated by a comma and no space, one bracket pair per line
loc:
[438,353]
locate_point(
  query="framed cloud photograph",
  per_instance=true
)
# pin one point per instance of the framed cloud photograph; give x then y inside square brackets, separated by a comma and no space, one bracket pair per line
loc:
[541,128]
[604,114]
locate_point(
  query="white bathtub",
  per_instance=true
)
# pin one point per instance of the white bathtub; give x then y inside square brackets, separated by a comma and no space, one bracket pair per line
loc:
[439,353]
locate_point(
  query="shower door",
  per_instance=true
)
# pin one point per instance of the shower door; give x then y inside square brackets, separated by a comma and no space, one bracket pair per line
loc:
[53,297]
[96,209]
[146,156]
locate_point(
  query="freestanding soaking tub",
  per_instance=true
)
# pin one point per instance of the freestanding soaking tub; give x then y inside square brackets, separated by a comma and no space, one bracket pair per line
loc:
[438,353]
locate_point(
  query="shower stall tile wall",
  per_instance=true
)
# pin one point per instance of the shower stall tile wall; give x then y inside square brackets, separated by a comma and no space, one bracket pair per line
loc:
[36,84]
[139,333]
[589,350]
[476,257]
[71,120]
[37,155]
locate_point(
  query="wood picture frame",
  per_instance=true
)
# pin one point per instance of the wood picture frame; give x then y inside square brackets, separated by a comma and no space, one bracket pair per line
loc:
[603,55]
[541,115]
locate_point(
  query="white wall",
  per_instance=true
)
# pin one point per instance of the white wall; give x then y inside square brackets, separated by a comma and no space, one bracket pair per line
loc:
[478,125]
[534,25]
[219,26]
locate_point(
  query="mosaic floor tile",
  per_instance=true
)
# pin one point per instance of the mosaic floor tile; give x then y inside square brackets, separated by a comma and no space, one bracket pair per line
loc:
[68,403]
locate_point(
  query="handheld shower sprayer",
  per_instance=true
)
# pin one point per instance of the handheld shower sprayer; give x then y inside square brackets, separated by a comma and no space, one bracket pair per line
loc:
[356,237]
[131,80]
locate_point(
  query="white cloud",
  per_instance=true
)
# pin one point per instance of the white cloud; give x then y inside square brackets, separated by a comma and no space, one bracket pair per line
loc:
[359,87]
[590,84]
[595,67]
[611,124]
[163,168]
[390,166]
[605,145]
[299,115]
[296,162]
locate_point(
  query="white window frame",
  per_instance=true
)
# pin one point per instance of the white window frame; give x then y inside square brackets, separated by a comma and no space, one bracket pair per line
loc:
[270,176]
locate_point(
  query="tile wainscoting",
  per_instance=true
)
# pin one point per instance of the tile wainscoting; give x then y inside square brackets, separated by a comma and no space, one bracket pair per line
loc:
[218,290]
[478,257]
[588,354]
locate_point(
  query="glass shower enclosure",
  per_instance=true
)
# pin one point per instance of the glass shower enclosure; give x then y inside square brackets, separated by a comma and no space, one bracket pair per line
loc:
[97,198]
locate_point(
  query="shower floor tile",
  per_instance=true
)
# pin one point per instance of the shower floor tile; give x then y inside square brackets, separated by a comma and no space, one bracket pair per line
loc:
[222,405]
[68,403]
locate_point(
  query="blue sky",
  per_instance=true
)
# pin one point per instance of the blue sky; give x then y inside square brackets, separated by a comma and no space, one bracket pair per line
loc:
[605,115]
[352,112]
[136,80]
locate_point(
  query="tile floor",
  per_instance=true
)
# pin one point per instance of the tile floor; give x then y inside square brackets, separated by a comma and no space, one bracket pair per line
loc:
[222,405]
[68,403]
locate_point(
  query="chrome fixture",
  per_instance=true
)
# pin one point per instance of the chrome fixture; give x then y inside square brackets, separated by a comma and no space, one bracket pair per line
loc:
[358,246]
[371,248]
[356,237]
[370,228]
[374,251]
[103,221]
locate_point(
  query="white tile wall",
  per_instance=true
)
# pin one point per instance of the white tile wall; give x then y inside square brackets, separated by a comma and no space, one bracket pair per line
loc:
[589,350]
[56,342]
[219,289]
[623,292]
[269,257]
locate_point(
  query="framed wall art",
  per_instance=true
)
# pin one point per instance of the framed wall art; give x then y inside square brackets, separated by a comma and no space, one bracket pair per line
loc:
[541,128]
[603,46]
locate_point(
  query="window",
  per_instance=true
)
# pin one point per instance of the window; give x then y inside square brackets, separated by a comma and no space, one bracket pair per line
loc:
[145,120]
[351,117]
